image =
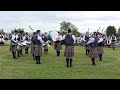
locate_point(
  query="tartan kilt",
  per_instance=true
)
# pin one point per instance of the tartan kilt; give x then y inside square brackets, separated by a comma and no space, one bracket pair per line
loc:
[93,52]
[69,51]
[113,44]
[100,50]
[32,48]
[13,48]
[46,46]
[38,50]
[19,47]
[57,46]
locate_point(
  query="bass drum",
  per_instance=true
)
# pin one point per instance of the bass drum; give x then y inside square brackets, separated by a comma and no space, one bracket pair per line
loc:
[49,35]
[54,35]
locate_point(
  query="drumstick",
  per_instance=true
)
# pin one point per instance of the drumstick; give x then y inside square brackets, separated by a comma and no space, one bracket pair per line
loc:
[31,28]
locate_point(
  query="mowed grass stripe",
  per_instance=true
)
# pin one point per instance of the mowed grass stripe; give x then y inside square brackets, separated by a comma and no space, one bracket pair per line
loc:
[53,67]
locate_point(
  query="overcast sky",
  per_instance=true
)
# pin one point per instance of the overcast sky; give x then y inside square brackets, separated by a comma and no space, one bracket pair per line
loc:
[49,20]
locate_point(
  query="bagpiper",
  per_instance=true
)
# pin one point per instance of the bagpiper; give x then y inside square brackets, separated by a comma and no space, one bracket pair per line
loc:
[69,41]
[93,43]
[38,47]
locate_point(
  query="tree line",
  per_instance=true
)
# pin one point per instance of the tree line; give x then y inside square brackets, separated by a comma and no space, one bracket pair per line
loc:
[64,25]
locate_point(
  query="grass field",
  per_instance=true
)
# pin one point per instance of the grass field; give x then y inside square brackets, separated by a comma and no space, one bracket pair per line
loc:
[54,67]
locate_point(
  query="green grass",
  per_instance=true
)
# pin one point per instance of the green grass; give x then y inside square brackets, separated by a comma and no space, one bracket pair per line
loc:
[54,67]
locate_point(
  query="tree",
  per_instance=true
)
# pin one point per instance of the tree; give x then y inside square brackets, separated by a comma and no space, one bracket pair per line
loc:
[19,30]
[2,31]
[118,33]
[65,25]
[111,30]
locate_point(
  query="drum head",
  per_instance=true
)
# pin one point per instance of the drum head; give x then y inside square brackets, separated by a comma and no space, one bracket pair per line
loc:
[54,35]
[49,34]
[24,44]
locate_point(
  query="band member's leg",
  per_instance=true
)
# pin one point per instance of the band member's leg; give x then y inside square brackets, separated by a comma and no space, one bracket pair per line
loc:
[14,51]
[67,62]
[39,60]
[71,62]
[93,61]
[57,53]
[100,57]
[18,53]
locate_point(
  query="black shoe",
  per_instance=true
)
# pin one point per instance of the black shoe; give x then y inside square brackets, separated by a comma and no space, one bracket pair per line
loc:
[67,66]
[94,64]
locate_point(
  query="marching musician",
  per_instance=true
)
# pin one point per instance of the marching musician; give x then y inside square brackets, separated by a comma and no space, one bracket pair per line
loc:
[57,44]
[86,39]
[13,45]
[20,39]
[69,41]
[113,42]
[93,43]
[100,46]
[26,38]
[38,46]
[1,38]
[45,39]
[33,45]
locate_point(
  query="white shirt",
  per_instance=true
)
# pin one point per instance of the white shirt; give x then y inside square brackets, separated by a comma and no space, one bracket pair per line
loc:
[100,40]
[60,38]
[73,37]
[91,40]
[40,39]
[13,37]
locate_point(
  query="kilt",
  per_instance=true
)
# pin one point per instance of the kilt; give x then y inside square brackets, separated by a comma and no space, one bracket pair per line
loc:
[19,47]
[100,50]
[32,48]
[69,51]
[113,44]
[13,48]
[93,52]
[38,50]
[46,46]
[58,46]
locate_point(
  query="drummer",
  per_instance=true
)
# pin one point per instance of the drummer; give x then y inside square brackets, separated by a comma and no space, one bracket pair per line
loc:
[57,44]
[33,45]
[45,39]
[20,39]
[13,45]
[26,38]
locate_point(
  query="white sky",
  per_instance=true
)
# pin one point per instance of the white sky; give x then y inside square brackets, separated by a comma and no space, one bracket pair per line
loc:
[49,20]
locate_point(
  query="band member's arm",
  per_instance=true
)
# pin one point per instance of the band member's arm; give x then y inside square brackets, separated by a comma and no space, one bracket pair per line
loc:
[13,37]
[40,39]
[60,38]
[63,37]
[74,39]
[84,38]
[91,41]
[100,40]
